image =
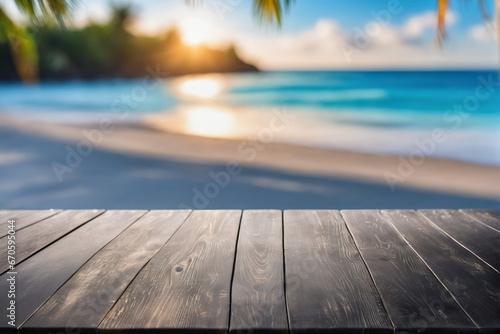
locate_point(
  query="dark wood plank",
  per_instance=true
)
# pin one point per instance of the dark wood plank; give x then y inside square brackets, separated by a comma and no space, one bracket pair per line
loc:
[23,218]
[257,296]
[472,282]
[485,216]
[328,287]
[186,285]
[42,274]
[82,302]
[37,236]
[476,237]
[414,298]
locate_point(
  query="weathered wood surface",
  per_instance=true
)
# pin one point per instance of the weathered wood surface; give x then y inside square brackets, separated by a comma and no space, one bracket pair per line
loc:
[258,295]
[23,218]
[415,300]
[35,237]
[485,216]
[187,284]
[473,284]
[85,299]
[311,271]
[43,273]
[328,287]
[470,233]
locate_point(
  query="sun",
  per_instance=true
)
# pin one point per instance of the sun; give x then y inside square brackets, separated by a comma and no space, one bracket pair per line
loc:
[195,31]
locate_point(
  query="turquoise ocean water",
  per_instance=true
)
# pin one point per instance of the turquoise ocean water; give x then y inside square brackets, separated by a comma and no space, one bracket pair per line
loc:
[380,112]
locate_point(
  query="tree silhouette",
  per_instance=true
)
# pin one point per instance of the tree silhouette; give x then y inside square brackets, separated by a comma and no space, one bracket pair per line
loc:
[24,51]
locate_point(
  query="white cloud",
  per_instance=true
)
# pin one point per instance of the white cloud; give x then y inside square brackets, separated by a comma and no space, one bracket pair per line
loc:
[318,46]
[482,33]
[419,24]
[409,45]
[388,35]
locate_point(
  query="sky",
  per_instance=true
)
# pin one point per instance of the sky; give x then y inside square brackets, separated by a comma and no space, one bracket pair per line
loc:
[324,34]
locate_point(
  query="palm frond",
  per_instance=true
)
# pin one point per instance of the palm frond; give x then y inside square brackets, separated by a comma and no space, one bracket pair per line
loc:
[270,11]
[484,11]
[22,48]
[58,9]
[443,8]
[40,10]
[498,24]
[27,7]
[441,26]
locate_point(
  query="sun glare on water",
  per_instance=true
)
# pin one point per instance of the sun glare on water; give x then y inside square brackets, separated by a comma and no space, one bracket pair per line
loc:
[201,88]
[205,121]
[209,122]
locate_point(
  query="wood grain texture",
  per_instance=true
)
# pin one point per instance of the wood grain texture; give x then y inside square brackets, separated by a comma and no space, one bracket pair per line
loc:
[490,218]
[42,274]
[478,238]
[37,236]
[414,298]
[186,285]
[328,288]
[83,301]
[257,298]
[473,283]
[23,218]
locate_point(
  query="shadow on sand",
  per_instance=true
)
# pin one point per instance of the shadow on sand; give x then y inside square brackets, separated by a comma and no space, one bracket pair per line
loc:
[119,181]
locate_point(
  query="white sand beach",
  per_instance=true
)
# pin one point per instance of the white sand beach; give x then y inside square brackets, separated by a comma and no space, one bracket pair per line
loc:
[90,165]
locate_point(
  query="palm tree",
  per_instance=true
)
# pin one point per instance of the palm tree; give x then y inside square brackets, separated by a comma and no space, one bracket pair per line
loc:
[23,48]
[20,39]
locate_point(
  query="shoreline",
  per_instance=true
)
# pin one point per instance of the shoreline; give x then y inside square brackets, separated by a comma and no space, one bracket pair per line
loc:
[434,174]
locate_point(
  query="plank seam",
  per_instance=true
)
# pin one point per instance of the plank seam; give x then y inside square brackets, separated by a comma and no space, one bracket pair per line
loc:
[478,220]
[232,273]
[4,222]
[41,220]
[284,268]
[480,258]
[52,242]
[284,275]
[45,301]
[138,272]
[388,220]
[369,272]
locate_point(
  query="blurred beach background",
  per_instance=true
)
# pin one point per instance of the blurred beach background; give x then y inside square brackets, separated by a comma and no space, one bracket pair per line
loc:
[345,106]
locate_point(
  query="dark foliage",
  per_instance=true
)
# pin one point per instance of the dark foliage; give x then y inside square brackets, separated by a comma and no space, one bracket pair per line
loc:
[110,51]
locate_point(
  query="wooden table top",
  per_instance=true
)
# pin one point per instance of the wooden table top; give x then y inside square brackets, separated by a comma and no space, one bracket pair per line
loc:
[268,271]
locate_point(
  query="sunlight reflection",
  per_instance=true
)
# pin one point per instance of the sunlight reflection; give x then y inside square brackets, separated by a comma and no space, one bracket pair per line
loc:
[194,31]
[209,122]
[202,88]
